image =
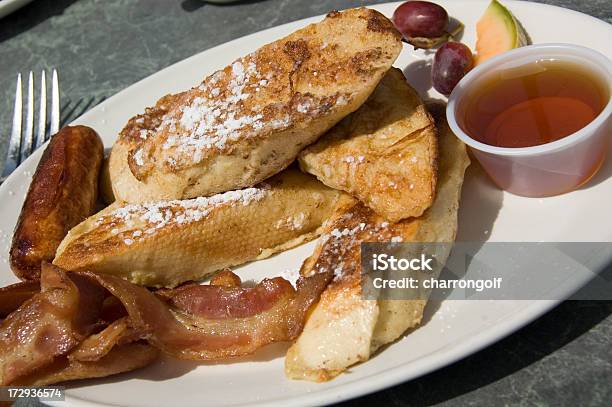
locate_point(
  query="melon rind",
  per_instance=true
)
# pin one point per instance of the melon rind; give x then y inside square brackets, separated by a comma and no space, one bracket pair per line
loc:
[498,31]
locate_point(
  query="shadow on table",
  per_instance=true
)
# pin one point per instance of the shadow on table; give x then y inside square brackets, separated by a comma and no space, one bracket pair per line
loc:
[551,332]
[71,110]
[30,16]
[193,5]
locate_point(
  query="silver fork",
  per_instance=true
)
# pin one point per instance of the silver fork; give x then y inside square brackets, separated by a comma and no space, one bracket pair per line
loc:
[22,143]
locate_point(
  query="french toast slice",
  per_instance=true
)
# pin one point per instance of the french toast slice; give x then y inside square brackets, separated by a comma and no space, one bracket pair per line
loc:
[166,243]
[344,328]
[249,121]
[384,154]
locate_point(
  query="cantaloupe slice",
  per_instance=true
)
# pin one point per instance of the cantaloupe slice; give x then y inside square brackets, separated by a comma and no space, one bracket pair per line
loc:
[498,31]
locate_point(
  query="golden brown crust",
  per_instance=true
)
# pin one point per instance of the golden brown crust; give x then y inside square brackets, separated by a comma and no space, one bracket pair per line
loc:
[344,328]
[63,193]
[167,243]
[248,121]
[385,154]
[381,24]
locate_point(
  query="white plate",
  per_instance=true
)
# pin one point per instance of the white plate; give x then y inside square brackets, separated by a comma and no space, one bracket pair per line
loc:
[451,330]
[8,6]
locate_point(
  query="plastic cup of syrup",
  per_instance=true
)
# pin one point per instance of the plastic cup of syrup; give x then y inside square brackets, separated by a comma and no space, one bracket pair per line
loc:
[537,118]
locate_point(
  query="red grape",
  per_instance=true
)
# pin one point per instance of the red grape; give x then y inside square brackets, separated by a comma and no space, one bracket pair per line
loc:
[452,61]
[421,19]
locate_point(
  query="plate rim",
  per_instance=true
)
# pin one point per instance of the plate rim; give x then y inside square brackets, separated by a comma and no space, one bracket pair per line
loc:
[382,379]
[9,6]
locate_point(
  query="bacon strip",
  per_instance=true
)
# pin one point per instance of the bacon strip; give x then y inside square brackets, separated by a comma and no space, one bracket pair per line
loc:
[51,338]
[123,358]
[12,296]
[220,302]
[214,322]
[49,324]
[99,345]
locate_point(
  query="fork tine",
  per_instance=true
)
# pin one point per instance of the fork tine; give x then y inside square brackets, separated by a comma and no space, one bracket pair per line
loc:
[28,133]
[55,104]
[12,158]
[42,111]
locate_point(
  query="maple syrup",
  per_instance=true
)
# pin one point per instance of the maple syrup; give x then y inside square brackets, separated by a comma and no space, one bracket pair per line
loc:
[533,104]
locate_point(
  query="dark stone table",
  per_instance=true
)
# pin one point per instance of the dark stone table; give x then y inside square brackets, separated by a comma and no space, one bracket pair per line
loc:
[101,47]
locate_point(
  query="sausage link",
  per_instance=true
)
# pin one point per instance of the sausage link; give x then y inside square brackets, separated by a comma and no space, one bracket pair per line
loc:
[62,194]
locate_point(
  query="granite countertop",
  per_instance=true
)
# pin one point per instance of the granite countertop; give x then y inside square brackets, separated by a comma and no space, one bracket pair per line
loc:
[101,47]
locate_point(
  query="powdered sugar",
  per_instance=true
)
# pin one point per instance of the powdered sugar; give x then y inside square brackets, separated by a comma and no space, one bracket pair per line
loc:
[149,217]
[338,233]
[296,222]
[353,160]
[342,241]
[210,121]
[138,158]
[225,109]
[338,270]
[341,101]
[303,108]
